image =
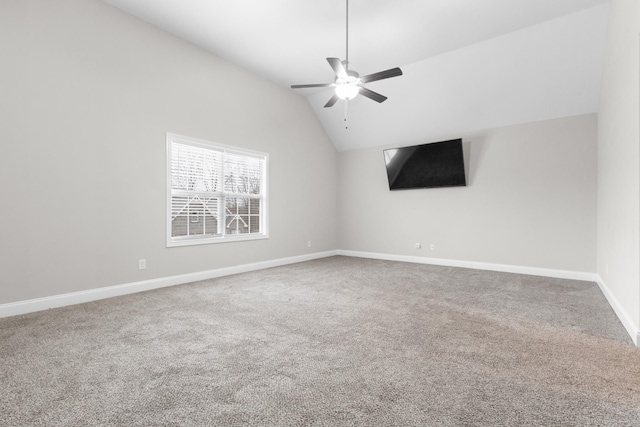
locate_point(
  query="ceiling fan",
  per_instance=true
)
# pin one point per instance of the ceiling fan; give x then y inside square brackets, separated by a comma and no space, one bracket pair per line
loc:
[348,83]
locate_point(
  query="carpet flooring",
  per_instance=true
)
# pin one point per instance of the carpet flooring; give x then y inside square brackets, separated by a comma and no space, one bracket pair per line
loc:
[332,342]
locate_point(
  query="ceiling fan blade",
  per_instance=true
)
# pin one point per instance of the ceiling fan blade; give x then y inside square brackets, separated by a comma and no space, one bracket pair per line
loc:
[393,72]
[372,95]
[338,68]
[312,85]
[332,101]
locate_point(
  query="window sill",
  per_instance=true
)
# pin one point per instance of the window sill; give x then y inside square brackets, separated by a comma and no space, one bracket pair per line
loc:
[214,240]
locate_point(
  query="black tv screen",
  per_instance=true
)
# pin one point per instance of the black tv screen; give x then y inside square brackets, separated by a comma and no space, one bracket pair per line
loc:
[437,164]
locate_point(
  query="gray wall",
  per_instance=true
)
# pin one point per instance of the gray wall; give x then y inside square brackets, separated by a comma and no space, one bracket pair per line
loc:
[530,200]
[87,96]
[619,160]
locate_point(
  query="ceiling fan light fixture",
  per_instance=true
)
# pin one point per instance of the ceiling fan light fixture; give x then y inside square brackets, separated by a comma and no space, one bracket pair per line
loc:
[347,87]
[347,91]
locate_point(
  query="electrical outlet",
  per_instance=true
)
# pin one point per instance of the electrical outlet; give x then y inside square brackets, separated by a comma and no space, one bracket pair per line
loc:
[309,244]
[432,247]
[418,245]
[142,264]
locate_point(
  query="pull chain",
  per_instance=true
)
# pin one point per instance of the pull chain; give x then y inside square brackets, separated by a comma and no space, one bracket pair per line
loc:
[346,114]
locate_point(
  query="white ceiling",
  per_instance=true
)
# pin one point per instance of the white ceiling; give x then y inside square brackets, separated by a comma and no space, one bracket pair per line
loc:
[468,64]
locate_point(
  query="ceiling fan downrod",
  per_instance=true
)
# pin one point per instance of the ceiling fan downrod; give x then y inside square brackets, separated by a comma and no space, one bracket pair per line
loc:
[346,65]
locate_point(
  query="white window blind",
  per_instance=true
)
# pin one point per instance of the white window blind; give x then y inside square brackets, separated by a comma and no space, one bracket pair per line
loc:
[215,193]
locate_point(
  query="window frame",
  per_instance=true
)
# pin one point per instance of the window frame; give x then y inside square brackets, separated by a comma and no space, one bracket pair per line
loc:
[223,195]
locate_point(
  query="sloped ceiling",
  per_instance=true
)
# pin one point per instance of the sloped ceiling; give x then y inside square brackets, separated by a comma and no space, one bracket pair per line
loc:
[468,64]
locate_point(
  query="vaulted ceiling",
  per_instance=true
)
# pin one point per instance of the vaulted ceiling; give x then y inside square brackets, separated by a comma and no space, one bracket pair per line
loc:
[467,64]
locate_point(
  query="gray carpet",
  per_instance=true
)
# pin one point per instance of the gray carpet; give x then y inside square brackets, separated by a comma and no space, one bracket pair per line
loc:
[332,342]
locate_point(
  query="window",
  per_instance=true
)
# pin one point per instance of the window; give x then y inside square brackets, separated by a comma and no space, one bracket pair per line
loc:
[215,193]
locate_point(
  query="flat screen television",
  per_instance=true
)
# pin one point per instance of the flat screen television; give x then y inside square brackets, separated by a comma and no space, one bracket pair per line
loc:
[437,164]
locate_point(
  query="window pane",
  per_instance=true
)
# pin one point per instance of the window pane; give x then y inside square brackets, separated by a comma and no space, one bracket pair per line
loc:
[242,216]
[254,224]
[193,216]
[254,206]
[195,168]
[235,222]
[243,206]
[243,174]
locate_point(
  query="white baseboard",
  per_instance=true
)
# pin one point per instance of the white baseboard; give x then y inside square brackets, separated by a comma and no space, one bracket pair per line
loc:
[62,300]
[629,325]
[545,272]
